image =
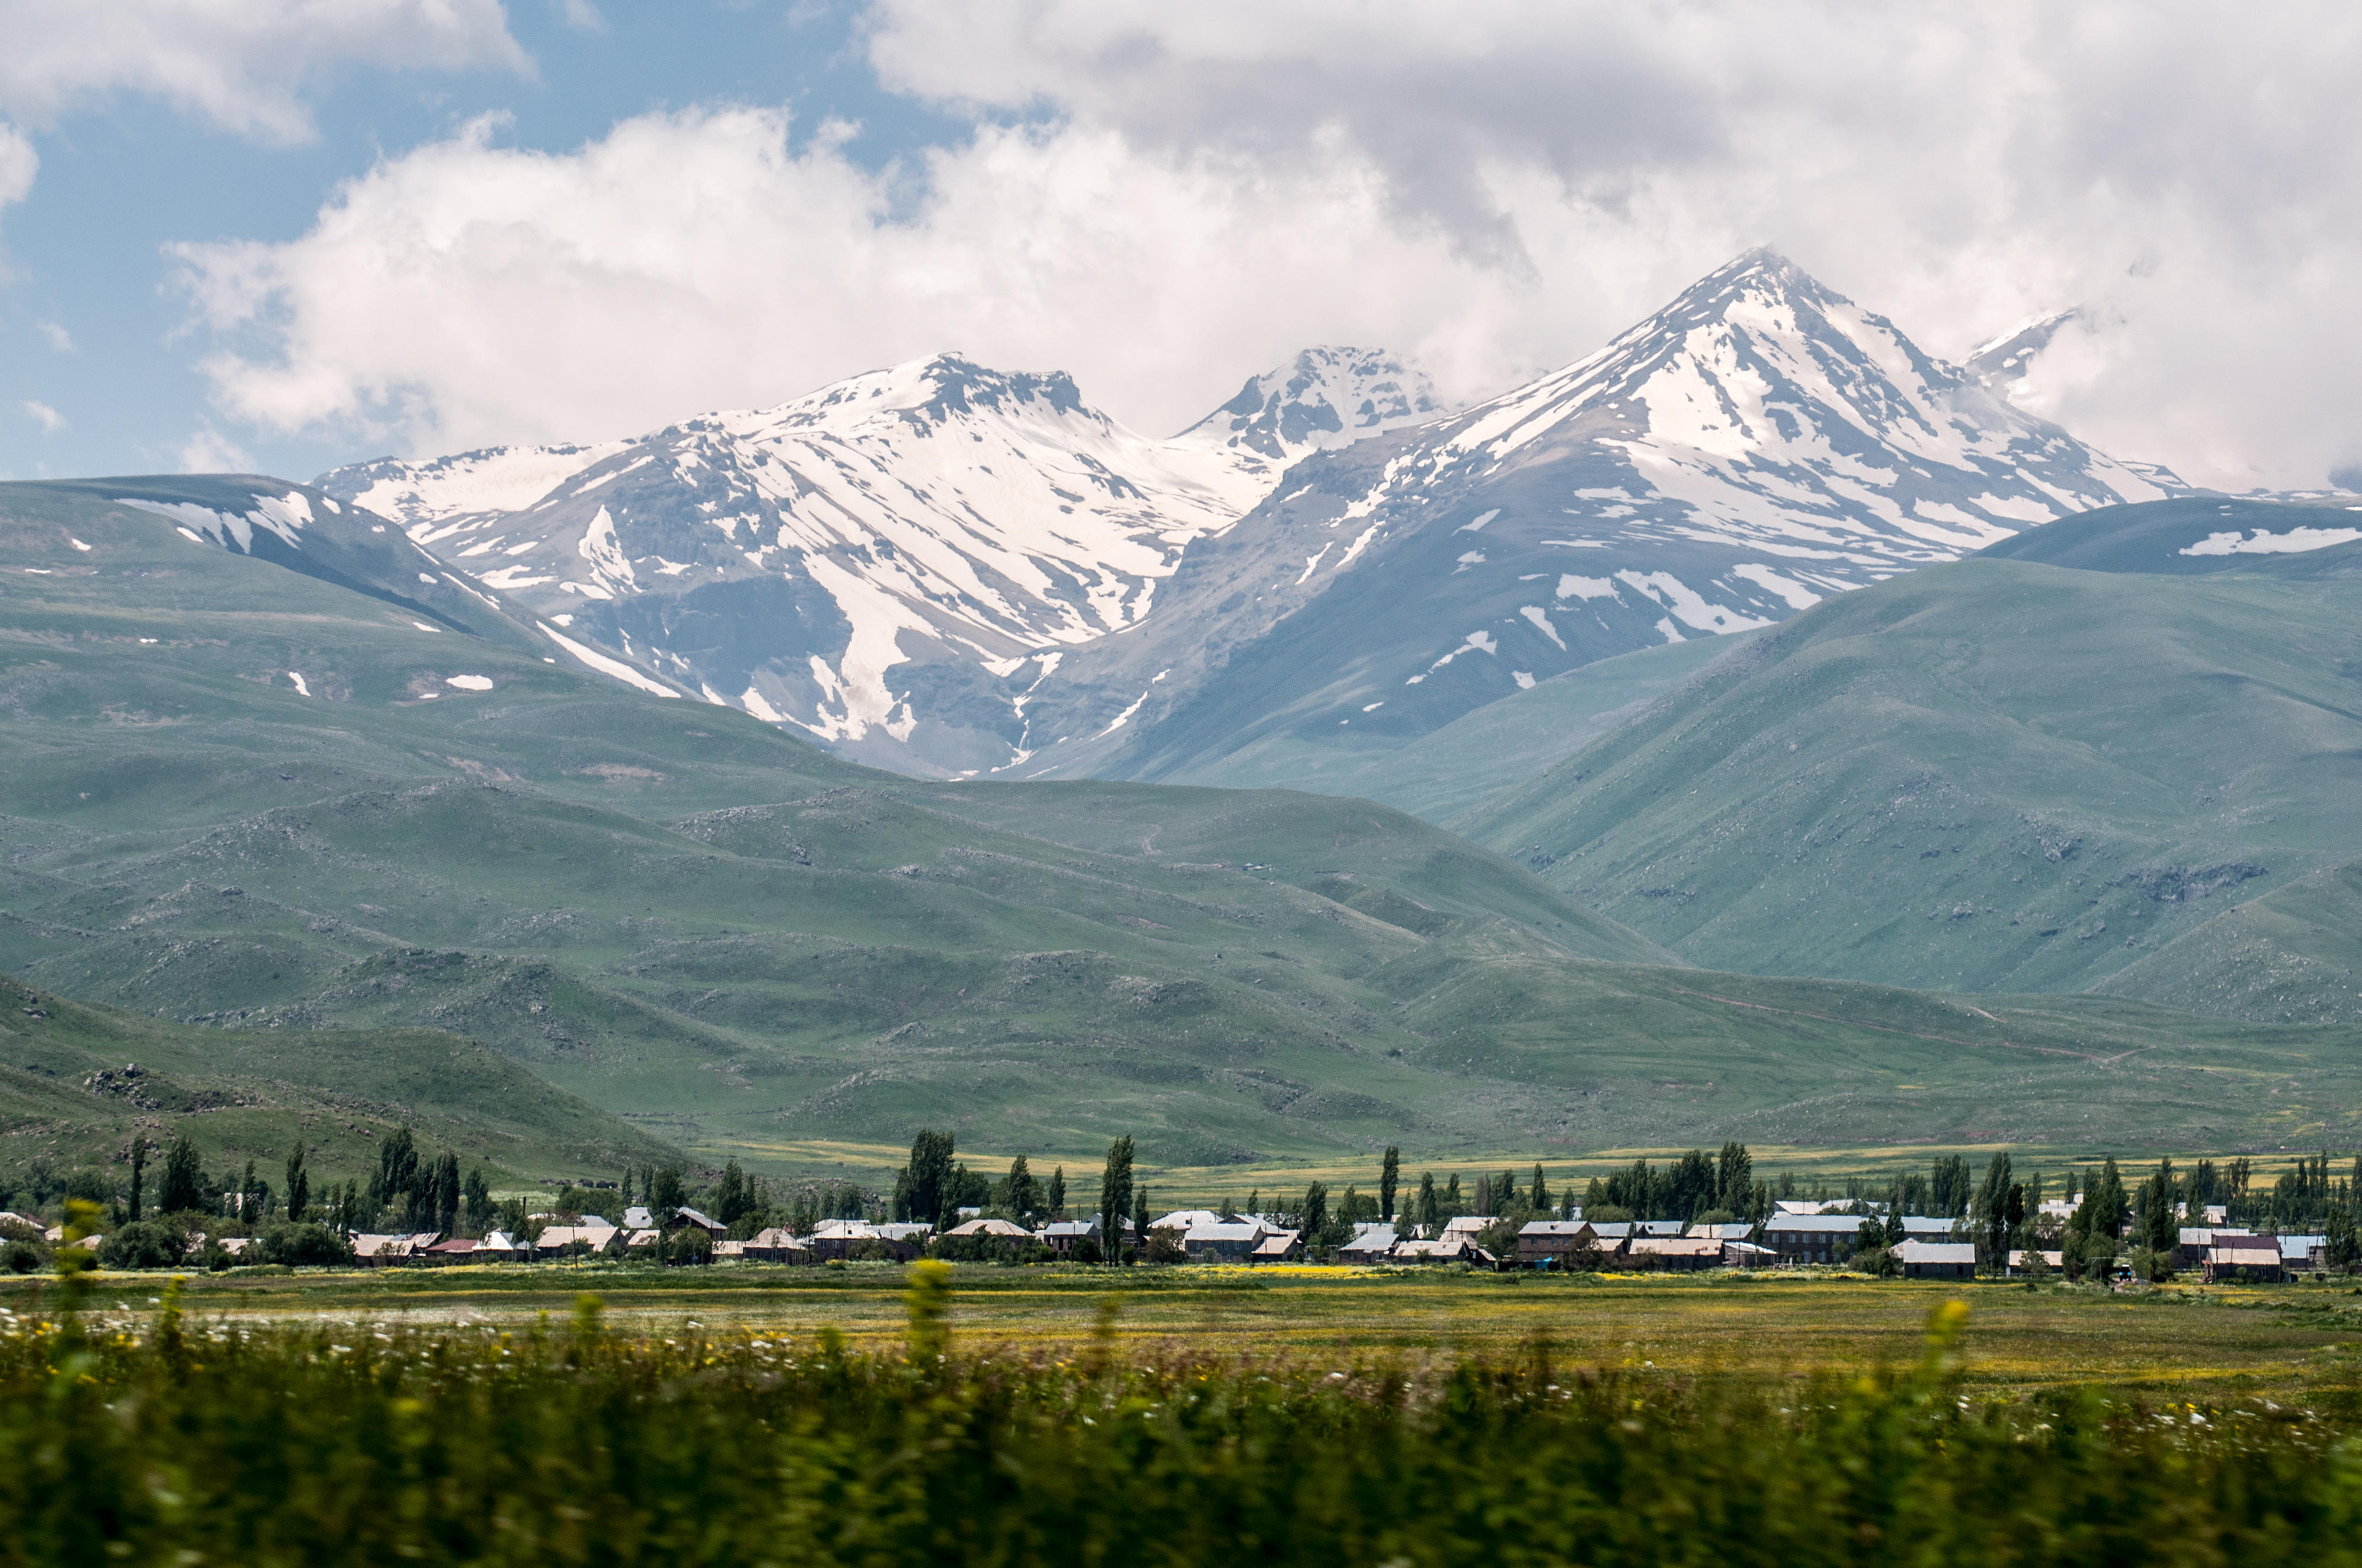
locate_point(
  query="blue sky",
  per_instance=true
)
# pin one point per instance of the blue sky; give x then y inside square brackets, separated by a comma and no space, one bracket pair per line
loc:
[292,235]
[125,175]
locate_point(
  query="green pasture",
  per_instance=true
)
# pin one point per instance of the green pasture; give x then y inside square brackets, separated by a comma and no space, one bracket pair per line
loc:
[2178,1341]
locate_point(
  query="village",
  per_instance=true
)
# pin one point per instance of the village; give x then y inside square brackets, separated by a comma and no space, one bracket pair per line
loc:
[1827,1235]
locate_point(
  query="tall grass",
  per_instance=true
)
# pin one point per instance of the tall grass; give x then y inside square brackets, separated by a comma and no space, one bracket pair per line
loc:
[166,1442]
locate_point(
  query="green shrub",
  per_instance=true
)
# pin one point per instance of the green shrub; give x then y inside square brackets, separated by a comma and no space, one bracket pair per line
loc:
[144,1244]
[20,1257]
[301,1245]
[337,1444]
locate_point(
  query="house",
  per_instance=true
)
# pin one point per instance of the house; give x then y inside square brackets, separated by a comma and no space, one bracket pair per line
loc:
[2195,1243]
[989,1227]
[1277,1246]
[912,1231]
[705,1222]
[1812,1238]
[1613,1235]
[1936,1260]
[381,1252]
[729,1252]
[1748,1255]
[639,1217]
[1374,1241]
[599,1239]
[456,1250]
[1557,1243]
[776,1246]
[1723,1230]
[1806,1205]
[1674,1253]
[644,1244]
[1060,1235]
[498,1246]
[1223,1240]
[1658,1227]
[2304,1254]
[834,1239]
[1928,1228]
[1187,1220]
[14,1224]
[1469,1225]
[2254,1260]
[2017,1262]
[1443,1249]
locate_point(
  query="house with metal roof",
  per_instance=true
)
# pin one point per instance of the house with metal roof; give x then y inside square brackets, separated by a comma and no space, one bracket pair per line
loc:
[1672,1254]
[1560,1243]
[1936,1260]
[1812,1238]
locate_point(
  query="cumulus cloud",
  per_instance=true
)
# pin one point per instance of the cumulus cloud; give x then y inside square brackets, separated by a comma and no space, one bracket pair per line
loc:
[48,418]
[18,165]
[244,66]
[55,334]
[1163,199]
[208,451]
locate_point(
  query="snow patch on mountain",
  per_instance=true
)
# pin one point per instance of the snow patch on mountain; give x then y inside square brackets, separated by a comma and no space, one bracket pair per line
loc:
[874,561]
[285,516]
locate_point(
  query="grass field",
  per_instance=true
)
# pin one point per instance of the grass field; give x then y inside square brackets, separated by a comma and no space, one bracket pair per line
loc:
[2213,1343]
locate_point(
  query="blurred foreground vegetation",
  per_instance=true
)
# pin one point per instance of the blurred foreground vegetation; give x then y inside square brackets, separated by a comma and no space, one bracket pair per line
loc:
[575,1443]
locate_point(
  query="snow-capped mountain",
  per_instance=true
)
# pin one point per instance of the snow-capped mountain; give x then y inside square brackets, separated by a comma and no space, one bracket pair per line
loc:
[892,562]
[1759,444]
[1327,398]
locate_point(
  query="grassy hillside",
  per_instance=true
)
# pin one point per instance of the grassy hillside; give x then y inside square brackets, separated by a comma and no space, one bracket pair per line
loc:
[1994,775]
[741,944]
[77,1082]
[1445,772]
[2292,957]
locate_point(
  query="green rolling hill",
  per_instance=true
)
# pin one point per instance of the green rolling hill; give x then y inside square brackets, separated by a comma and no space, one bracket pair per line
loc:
[77,1082]
[2001,774]
[738,944]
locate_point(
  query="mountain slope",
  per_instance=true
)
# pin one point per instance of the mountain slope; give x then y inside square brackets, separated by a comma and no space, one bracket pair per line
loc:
[76,1082]
[892,562]
[740,944]
[2293,956]
[1996,774]
[1755,446]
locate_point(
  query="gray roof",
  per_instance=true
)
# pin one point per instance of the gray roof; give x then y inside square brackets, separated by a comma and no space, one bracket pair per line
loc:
[1813,1225]
[1935,1251]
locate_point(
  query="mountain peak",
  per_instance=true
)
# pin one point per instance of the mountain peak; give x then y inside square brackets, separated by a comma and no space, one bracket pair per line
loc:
[1325,398]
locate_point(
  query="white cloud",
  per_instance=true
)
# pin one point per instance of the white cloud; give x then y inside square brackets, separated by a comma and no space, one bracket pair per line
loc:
[207,451]
[582,14]
[1198,191]
[48,418]
[18,164]
[244,65]
[55,334]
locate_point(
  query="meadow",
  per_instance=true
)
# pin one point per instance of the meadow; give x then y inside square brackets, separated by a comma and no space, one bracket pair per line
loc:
[2183,1340]
[998,1416]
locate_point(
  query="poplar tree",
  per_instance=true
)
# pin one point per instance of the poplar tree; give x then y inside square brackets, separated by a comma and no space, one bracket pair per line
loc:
[1429,1203]
[299,1185]
[1115,1195]
[1540,1194]
[1389,1176]
[1056,1198]
[926,1180]
[138,1171]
